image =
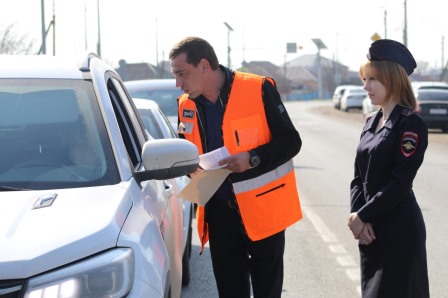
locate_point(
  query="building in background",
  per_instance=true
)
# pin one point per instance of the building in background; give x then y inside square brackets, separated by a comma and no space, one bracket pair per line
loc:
[296,80]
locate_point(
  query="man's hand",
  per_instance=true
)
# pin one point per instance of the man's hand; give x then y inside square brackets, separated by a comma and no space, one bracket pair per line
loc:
[196,172]
[237,163]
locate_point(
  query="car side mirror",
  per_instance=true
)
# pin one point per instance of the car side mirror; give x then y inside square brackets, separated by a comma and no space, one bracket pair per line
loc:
[168,158]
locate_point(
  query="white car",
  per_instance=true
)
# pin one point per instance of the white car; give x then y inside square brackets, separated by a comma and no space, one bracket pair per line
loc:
[88,207]
[368,107]
[337,94]
[352,98]
[159,127]
[162,91]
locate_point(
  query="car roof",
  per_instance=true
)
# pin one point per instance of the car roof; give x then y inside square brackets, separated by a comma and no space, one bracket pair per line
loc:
[142,103]
[39,66]
[427,91]
[359,89]
[429,84]
[152,83]
[344,87]
[433,89]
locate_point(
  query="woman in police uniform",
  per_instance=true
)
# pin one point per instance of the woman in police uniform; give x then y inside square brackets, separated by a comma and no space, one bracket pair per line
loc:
[385,216]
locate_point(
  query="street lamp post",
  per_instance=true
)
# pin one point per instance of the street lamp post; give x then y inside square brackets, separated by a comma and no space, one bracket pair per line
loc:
[98,46]
[320,45]
[229,29]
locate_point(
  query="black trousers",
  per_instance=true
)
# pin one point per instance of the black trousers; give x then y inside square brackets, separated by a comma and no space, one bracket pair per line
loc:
[237,261]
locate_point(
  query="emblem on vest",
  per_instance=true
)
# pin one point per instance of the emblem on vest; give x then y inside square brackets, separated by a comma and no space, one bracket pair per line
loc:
[188,113]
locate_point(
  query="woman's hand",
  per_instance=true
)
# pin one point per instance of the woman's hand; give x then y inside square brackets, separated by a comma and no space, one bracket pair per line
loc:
[367,234]
[361,230]
[355,224]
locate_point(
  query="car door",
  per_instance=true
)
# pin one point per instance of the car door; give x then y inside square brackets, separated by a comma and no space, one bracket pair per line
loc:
[134,137]
[164,204]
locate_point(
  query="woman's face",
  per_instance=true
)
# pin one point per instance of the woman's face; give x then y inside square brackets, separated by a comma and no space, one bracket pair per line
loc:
[375,89]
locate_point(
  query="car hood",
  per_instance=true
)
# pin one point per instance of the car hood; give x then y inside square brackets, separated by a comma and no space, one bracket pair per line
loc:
[76,224]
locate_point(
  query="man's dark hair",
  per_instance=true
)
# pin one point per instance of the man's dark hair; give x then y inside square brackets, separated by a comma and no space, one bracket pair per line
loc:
[196,49]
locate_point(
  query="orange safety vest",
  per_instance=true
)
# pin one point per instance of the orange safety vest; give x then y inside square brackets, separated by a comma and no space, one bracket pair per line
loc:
[270,202]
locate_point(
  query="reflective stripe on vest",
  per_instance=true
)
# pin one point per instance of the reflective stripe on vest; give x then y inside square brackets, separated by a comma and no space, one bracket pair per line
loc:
[264,179]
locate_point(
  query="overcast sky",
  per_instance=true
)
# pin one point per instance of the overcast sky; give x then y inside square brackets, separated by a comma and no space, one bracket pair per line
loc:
[145,30]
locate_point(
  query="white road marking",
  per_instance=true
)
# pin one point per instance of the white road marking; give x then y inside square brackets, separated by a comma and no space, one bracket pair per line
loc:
[342,257]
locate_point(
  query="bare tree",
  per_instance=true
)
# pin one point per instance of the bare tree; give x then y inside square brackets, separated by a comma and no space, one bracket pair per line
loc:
[12,43]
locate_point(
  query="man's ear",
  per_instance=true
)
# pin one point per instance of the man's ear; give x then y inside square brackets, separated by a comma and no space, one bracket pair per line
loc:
[204,65]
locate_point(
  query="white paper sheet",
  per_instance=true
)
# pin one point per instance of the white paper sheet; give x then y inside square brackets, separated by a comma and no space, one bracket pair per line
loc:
[210,160]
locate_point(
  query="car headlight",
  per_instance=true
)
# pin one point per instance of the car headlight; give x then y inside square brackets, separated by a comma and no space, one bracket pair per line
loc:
[107,275]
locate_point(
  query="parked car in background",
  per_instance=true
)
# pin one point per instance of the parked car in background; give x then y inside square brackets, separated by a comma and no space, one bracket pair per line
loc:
[159,127]
[418,85]
[337,94]
[367,106]
[352,98]
[162,91]
[87,207]
[154,119]
[432,105]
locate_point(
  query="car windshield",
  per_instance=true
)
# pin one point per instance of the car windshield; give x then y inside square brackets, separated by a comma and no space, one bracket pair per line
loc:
[52,135]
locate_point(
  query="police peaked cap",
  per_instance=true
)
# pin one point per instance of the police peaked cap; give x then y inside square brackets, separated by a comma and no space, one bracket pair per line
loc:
[391,50]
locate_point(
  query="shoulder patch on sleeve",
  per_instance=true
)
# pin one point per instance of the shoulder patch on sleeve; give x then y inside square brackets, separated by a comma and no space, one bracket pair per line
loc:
[409,142]
[408,112]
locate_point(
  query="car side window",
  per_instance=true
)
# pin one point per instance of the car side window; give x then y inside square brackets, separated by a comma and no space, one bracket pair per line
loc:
[128,121]
[172,133]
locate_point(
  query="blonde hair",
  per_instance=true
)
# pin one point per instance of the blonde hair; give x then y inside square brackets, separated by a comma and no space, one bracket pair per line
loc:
[394,78]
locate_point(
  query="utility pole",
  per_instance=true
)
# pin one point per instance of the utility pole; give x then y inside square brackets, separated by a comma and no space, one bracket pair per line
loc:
[443,52]
[159,70]
[320,45]
[85,25]
[98,47]
[44,45]
[54,32]
[405,30]
[229,29]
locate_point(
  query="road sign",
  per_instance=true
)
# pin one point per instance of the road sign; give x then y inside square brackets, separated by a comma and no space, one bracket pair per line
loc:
[291,47]
[375,37]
